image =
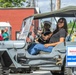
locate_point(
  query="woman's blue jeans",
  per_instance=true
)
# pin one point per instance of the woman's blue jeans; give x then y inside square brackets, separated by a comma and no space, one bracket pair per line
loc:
[35,48]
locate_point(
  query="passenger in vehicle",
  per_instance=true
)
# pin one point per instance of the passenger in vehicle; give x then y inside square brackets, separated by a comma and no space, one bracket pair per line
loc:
[46,31]
[57,37]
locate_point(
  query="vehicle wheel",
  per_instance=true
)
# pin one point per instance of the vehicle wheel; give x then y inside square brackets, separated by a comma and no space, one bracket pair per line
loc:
[56,73]
[65,70]
[2,71]
[68,71]
[5,72]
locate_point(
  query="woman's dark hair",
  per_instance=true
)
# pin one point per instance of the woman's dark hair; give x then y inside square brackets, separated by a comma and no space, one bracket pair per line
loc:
[65,25]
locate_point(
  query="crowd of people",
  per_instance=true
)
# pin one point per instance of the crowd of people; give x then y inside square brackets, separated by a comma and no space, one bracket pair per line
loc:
[4,36]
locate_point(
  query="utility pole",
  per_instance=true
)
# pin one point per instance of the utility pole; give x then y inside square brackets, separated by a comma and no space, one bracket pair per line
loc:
[33,3]
[51,5]
[58,4]
[36,3]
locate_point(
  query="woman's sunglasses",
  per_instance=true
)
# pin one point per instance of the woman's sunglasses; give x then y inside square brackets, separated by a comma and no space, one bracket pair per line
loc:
[60,22]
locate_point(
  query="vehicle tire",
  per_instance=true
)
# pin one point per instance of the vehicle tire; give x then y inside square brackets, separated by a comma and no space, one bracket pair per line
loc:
[68,71]
[5,72]
[56,73]
[65,70]
[2,71]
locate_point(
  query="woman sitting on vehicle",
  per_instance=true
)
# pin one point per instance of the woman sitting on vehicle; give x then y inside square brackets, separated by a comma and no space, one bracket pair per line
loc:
[57,37]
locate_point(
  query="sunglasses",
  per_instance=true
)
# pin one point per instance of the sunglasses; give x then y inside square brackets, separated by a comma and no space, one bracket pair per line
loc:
[60,22]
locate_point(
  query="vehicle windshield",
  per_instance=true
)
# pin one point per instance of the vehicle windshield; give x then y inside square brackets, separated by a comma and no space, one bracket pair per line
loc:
[25,28]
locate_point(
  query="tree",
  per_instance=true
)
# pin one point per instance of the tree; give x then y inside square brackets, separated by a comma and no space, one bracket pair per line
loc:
[11,3]
[30,3]
[70,25]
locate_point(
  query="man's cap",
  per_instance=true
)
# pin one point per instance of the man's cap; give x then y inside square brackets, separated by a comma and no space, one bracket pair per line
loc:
[47,23]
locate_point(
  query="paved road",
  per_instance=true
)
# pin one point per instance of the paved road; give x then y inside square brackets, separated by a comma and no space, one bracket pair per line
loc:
[36,73]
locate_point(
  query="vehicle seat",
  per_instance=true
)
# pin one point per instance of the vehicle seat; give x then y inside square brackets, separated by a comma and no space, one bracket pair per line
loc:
[61,48]
[42,52]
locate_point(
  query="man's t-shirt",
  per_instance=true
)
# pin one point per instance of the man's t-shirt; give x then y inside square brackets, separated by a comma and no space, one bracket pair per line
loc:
[46,32]
[56,37]
[5,36]
[41,40]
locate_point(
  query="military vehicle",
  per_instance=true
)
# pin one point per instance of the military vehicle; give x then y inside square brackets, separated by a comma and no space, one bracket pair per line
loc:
[14,56]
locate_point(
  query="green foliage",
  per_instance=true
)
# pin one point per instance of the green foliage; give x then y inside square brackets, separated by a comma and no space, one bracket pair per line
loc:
[70,25]
[11,3]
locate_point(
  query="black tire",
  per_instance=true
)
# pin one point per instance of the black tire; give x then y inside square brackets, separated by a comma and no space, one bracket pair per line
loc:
[64,70]
[3,71]
[68,71]
[56,73]
[0,69]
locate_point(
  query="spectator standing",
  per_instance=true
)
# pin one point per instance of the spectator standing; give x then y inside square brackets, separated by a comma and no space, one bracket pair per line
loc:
[5,34]
[1,38]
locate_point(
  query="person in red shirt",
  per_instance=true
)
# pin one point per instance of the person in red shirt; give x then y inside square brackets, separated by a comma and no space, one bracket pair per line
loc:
[1,38]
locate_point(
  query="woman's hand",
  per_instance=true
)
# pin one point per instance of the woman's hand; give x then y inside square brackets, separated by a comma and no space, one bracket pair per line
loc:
[36,40]
[46,45]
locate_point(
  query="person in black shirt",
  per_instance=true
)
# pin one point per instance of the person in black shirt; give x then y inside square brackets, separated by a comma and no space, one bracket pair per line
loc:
[57,37]
[46,31]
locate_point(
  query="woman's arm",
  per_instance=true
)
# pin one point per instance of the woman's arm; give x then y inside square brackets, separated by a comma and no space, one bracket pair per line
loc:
[54,44]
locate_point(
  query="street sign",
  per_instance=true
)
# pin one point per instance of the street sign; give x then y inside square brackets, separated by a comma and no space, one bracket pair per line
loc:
[71,56]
